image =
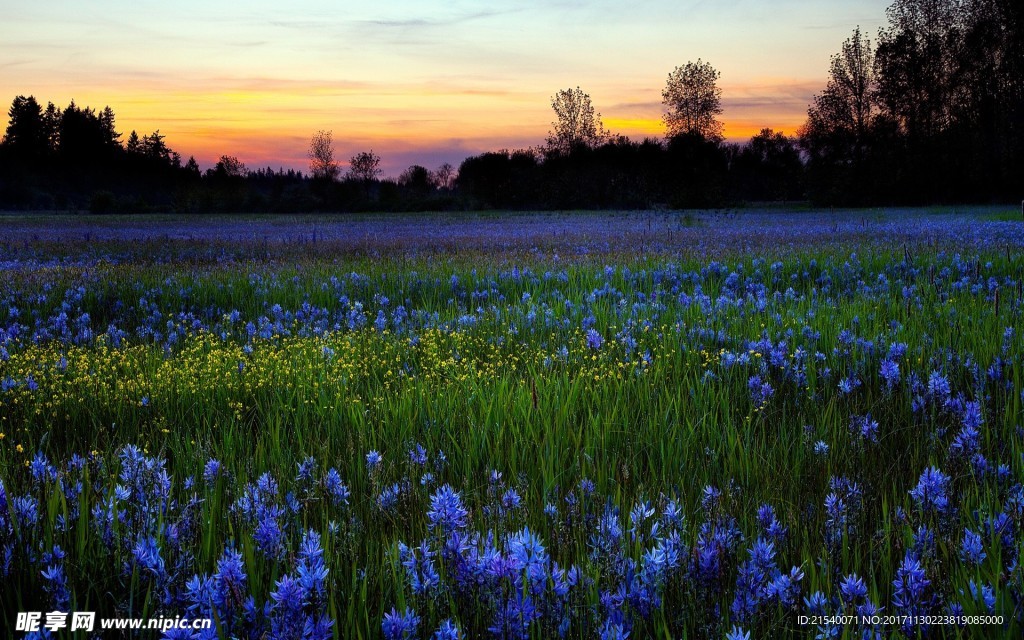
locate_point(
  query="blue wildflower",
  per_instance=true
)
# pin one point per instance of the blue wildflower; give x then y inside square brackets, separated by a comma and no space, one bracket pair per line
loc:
[306,470]
[388,498]
[211,471]
[737,633]
[446,631]
[890,372]
[312,572]
[910,595]
[852,589]
[56,586]
[287,619]
[760,391]
[972,551]
[418,455]
[983,593]
[335,488]
[614,631]
[938,387]
[930,492]
[373,460]
[400,626]
[446,512]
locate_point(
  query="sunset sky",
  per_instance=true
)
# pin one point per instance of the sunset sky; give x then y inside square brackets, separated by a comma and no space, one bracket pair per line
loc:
[419,82]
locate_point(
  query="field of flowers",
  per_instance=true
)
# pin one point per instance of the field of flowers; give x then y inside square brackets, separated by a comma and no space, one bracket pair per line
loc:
[714,424]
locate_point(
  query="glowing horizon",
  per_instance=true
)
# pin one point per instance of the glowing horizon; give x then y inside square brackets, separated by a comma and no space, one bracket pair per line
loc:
[419,83]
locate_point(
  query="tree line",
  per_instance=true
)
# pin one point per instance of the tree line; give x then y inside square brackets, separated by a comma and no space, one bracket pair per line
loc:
[931,111]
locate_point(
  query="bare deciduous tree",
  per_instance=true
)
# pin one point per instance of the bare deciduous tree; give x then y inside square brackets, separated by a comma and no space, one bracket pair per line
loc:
[321,157]
[444,176]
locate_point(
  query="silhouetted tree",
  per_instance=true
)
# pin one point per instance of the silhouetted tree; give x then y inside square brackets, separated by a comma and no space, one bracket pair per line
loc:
[916,61]
[26,136]
[693,101]
[416,178]
[364,166]
[321,157]
[500,179]
[697,171]
[444,177]
[111,138]
[836,134]
[134,144]
[576,124]
[228,167]
[85,139]
[768,168]
[51,126]
[154,148]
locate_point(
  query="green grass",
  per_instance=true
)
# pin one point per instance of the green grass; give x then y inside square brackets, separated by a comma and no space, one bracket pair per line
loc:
[494,399]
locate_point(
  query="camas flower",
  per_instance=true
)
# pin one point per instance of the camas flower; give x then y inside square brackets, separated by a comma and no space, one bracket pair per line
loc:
[930,492]
[853,589]
[447,512]
[373,460]
[910,591]
[400,626]
[446,631]
[890,372]
[972,551]
[335,488]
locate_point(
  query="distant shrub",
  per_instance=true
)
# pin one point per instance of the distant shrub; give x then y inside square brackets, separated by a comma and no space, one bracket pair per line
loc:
[102,202]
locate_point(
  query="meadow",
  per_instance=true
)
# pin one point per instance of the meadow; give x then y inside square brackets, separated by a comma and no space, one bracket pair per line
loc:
[707,424]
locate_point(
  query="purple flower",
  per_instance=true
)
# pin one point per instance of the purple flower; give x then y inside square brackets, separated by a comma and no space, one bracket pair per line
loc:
[447,631]
[56,586]
[335,488]
[388,498]
[910,597]
[312,572]
[938,387]
[211,471]
[594,339]
[306,470]
[930,492]
[400,626]
[373,460]
[418,455]
[890,373]
[760,391]
[447,512]
[853,589]
[616,631]
[737,633]
[972,551]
